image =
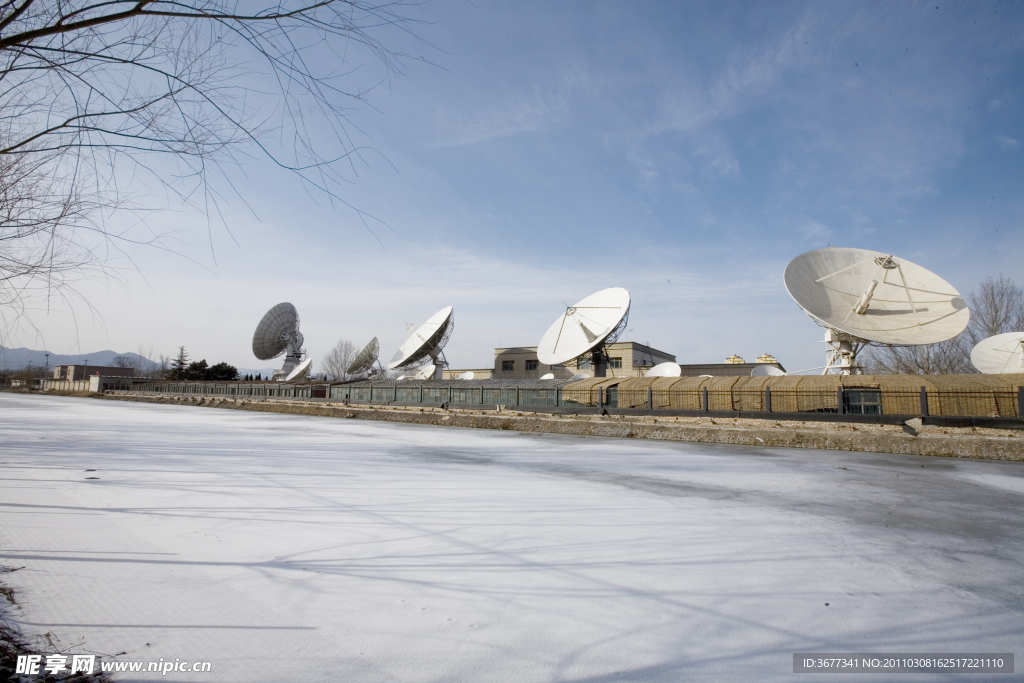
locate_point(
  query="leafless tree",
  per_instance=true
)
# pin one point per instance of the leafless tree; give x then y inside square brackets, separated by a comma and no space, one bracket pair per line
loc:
[104,102]
[997,306]
[163,365]
[126,361]
[951,357]
[336,362]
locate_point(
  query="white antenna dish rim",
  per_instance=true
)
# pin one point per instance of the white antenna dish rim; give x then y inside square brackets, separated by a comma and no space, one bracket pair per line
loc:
[834,305]
[665,370]
[606,312]
[365,359]
[999,354]
[269,340]
[299,370]
[427,340]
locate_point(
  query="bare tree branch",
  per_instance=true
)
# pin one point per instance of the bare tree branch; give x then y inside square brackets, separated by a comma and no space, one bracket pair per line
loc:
[997,306]
[94,94]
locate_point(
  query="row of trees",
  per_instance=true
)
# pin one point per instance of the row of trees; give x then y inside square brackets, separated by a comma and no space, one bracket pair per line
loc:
[997,307]
[183,368]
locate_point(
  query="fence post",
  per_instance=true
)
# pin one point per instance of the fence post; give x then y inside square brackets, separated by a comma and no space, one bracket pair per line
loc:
[704,398]
[768,399]
[600,397]
[1020,401]
[650,398]
[840,406]
[924,401]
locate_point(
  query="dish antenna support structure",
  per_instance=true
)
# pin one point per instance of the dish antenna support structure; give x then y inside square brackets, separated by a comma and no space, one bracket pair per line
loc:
[278,333]
[586,329]
[426,345]
[864,297]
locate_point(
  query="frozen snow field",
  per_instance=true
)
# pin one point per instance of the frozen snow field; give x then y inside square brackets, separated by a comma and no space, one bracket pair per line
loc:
[293,548]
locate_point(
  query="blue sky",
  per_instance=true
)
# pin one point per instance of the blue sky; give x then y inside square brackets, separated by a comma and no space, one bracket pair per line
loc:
[685,151]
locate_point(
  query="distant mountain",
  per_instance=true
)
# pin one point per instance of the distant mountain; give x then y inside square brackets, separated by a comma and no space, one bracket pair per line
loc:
[17,359]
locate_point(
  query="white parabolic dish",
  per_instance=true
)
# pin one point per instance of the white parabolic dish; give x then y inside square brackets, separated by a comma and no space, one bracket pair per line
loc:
[428,337]
[907,304]
[766,370]
[665,370]
[300,370]
[1003,353]
[271,337]
[366,358]
[584,326]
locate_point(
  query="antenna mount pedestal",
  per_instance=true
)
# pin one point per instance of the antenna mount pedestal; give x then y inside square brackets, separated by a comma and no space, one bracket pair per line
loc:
[840,355]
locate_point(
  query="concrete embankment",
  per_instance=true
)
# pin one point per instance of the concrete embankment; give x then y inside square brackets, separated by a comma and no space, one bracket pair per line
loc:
[992,444]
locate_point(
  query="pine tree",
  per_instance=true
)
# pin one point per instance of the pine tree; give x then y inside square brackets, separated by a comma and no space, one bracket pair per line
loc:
[179,365]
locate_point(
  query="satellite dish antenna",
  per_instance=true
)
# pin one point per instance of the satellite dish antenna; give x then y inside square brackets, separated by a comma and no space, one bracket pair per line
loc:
[426,372]
[866,297]
[665,370]
[467,375]
[767,371]
[277,333]
[426,344]
[300,371]
[365,359]
[1001,354]
[550,375]
[587,328]
[579,375]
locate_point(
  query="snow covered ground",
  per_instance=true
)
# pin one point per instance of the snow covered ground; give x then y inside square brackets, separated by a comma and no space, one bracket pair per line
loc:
[291,548]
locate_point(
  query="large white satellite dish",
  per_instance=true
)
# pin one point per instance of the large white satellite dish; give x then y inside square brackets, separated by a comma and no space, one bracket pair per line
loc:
[300,371]
[365,359]
[665,370]
[766,370]
[862,297]
[1001,354]
[277,333]
[426,343]
[586,327]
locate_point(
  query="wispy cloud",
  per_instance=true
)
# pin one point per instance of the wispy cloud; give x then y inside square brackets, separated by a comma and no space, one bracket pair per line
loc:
[749,76]
[1008,144]
[533,114]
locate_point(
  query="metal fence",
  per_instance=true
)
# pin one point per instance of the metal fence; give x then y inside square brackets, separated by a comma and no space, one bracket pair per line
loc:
[953,402]
[843,400]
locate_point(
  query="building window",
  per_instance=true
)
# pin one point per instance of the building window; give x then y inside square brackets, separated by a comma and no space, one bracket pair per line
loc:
[858,401]
[584,363]
[532,364]
[615,363]
[508,365]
